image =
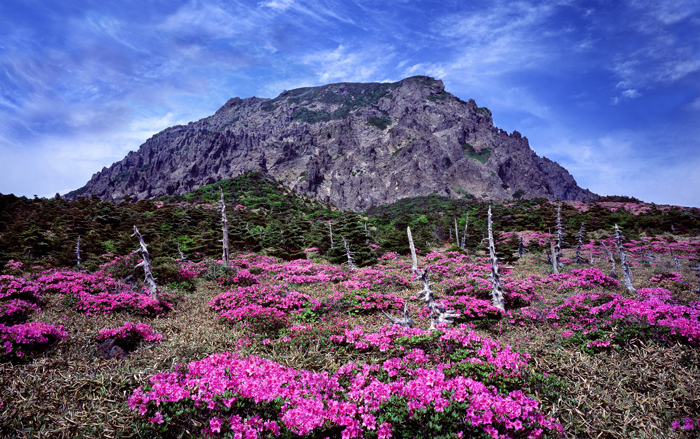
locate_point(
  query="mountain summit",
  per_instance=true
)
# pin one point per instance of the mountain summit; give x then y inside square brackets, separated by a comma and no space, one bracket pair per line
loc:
[355,145]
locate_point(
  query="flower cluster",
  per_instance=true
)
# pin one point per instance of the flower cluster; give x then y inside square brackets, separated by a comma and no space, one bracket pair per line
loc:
[688,424]
[18,298]
[254,397]
[586,312]
[131,331]
[28,337]
[98,293]
[584,278]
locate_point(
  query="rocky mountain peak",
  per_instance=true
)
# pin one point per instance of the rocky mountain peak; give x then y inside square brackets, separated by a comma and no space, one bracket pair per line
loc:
[356,145]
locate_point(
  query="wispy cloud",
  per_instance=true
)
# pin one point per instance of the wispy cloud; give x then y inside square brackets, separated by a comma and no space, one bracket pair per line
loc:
[81,85]
[344,65]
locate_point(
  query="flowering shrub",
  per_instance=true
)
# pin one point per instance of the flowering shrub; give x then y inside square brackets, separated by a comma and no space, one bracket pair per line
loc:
[360,302]
[130,335]
[19,340]
[13,265]
[590,315]
[98,293]
[584,278]
[243,278]
[388,256]
[16,310]
[255,397]
[15,287]
[136,331]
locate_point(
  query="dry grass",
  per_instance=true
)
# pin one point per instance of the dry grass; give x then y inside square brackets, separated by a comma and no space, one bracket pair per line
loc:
[70,392]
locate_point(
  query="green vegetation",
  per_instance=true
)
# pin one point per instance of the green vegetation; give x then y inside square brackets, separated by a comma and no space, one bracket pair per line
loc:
[469,151]
[350,98]
[378,122]
[518,194]
[483,110]
[440,97]
[39,229]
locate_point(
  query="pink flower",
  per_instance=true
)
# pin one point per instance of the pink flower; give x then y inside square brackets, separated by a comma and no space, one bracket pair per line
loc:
[157,419]
[384,431]
[215,424]
[688,424]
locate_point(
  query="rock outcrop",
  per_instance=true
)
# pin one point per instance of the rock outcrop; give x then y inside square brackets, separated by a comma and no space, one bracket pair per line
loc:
[354,145]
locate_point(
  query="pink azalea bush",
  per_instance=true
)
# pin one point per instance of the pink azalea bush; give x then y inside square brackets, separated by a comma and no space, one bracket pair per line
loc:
[584,278]
[255,397]
[19,340]
[98,293]
[594,316]
[16,310]
[132,333]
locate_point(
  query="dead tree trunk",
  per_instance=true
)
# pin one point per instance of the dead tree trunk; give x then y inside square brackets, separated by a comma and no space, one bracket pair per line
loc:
[330,231]
[623,261]
[555,259]
[438,313]
[464,235]
[521,247]
[496,289]
[560,237]
[456,233]
[351,260]
[146,264]
[77,252]
[613,269]
[676,262]
[404,322]
[579,245]
[224,228]
[182,256]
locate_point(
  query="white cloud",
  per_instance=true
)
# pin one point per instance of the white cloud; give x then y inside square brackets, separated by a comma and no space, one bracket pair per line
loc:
[280,5]
[343,64]
[620,164]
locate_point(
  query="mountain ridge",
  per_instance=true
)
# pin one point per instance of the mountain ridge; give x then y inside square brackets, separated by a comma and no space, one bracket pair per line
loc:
[356,145]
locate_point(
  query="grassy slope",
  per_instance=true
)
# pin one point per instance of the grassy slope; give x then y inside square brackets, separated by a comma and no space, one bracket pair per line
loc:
[68,391]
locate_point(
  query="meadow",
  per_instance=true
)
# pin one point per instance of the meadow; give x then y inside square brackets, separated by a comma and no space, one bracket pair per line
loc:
[302,348]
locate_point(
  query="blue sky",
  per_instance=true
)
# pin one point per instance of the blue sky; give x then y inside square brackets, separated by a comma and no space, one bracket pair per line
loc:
[610,90]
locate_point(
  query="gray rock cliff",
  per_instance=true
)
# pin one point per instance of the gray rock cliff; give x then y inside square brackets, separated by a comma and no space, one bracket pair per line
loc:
[354,145]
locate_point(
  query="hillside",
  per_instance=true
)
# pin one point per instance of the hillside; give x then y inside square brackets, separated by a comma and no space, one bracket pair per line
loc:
[356,146]
[292,342]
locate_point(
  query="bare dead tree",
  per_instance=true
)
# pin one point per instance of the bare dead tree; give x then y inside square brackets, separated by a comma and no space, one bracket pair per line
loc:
[351,260]
[555,259]
[521,247]
[404,322]
[560,237]
[456,233]
[77,252]
[623,261]
[330,231]
[438,313]
[182,256]
[579,244]
[366,235]
[224,229]
[676,261]
[146,264]
[496,289]
[464,235]
[613,269]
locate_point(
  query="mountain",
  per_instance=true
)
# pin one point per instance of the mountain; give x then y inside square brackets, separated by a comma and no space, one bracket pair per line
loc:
[354,145]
